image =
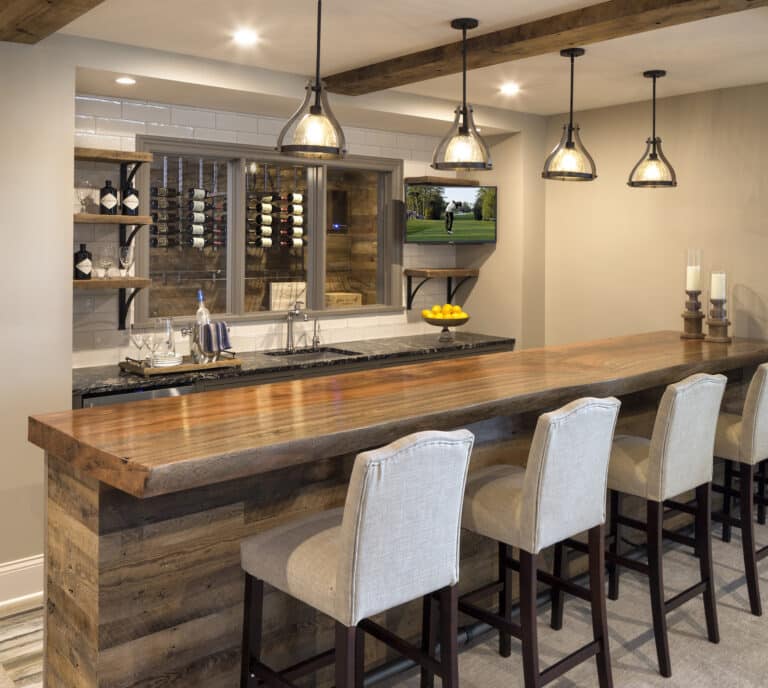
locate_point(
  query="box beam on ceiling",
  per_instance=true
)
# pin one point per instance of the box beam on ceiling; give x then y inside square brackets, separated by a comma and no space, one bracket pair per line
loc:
[29,21]
[592,24]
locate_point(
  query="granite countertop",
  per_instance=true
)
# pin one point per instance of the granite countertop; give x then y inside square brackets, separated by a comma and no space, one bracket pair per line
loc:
[99,380]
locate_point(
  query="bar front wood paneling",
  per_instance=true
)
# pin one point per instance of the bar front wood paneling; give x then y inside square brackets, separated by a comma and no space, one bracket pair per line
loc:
[147,502]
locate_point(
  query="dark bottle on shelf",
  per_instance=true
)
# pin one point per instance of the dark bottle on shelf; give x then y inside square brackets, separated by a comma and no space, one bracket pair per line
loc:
[130,204]
[164,204]
[197,194]
[260,242]
[163,191]
[83,264]
[164,216]
[108,199]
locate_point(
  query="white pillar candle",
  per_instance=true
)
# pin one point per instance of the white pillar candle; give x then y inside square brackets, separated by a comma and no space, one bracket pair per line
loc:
[717,286]
[693,278]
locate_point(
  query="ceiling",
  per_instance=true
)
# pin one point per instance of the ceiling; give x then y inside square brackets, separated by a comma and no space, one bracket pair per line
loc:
[730,50]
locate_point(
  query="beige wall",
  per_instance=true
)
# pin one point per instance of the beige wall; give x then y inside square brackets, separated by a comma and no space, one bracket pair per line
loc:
[615,256]
[36,113]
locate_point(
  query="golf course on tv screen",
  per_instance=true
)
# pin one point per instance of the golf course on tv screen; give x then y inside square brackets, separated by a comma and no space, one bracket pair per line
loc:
[450,214]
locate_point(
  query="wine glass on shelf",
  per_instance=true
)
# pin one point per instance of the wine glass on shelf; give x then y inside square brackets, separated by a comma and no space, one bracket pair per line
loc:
[84,190]
[152,341]
[127,258]
[105,263]
[137,338]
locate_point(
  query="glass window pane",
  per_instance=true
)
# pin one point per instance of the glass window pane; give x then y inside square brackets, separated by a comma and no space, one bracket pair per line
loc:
[276,236]
[188,235]
[352,276]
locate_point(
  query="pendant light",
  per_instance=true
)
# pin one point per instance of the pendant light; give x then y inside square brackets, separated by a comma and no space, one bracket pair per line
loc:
[313,131]
[463,148]
[570,161]
[653,170]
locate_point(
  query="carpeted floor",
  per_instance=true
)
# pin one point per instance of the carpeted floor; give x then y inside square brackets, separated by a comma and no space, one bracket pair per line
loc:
[739,661]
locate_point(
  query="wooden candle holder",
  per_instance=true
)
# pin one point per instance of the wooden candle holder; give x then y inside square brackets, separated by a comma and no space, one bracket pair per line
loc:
[718,323]
[692,317]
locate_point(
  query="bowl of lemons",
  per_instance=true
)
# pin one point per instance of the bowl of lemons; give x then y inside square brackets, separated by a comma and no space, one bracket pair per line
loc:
[446,316]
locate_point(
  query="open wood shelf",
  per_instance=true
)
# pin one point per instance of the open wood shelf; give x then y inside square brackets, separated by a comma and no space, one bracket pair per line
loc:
[113,283]
[442,181]
[426,274]
[116,156]
[98,219]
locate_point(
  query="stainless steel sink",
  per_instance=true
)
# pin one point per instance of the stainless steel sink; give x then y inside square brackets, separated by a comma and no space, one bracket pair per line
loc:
[323,353]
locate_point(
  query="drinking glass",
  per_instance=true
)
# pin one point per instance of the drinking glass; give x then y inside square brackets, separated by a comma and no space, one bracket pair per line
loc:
[137,337]
[105,262]
[152,341]
[127,258]
[83,194]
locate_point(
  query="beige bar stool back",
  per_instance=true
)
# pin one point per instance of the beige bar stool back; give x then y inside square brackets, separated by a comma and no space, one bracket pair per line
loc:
[675,460]
[395,540]
[560,493]
[743,439]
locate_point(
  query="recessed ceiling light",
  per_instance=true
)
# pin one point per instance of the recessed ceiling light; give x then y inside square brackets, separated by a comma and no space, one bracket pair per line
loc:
[245,37]
[510,89]
[125,80]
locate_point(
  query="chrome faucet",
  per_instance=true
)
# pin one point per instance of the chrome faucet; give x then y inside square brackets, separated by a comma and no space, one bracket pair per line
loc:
[316,336]
[293,313]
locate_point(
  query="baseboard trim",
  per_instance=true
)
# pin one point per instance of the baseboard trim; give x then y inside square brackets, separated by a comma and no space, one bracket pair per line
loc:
[21,584]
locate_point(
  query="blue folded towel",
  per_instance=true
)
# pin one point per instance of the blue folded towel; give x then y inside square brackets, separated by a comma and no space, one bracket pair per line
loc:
[223,332]
[215,336]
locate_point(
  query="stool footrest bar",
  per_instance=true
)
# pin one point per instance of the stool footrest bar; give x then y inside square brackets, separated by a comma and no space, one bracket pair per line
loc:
[685,596]
[569,662]
[403,647]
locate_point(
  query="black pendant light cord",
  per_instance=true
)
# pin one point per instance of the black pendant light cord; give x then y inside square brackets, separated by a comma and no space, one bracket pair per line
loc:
[317,61]
[464,80]
[570,118]
[654,117]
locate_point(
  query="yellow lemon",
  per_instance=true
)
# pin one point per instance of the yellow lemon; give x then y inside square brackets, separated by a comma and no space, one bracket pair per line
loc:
[438,316]
[457,309]
[426,313]
[436,309]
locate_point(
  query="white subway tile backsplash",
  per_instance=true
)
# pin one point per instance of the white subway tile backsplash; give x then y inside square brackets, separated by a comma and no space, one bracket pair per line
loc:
[98,107]
[362,149]
[397,153]
[85,124]
[128,143]
[252,139]
[234,122]
[205,134]
[380,138]
[172,130]
[85,140]
[271,125]
[191,117]
[147,112]
[122,127]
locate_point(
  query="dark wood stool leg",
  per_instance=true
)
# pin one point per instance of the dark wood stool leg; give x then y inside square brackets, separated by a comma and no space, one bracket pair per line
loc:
[505,598]
[747,500]
[559,570]
[252,617]
[449,629]
[599,611]
[346,656]
[428,639]
[359,658]
[762,478]
[656,575]
[613,567]
[528,619]
[704,552]
[728,483]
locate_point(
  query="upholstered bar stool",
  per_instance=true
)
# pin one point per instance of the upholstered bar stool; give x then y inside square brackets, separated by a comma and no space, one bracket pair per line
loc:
[560,493]
[743,439]
[675,460]
[395,540]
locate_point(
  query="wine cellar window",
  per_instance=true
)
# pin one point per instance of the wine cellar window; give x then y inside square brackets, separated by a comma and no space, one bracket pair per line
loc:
[352,267]
[188,235]
[277,231]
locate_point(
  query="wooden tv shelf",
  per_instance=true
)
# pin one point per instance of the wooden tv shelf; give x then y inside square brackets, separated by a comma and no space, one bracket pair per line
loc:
[448,274]
[115,156]
[98,219]
[442,181]
[113,283]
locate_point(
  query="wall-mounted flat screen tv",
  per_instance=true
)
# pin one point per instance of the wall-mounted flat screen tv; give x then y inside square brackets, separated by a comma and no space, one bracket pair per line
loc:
[450,214]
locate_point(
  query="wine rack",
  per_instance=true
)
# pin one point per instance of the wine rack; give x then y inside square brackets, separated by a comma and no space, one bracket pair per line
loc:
[129,225]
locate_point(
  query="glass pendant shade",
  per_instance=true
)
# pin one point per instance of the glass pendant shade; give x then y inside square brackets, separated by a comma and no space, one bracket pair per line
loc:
[653,169]
[313,131]
[569,161]
[462,148]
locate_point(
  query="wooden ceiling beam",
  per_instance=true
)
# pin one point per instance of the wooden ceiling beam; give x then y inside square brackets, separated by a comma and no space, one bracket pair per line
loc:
[29,21]
[592,24]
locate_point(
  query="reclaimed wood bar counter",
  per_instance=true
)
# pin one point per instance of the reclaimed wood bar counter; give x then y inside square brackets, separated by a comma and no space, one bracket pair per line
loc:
[147,502]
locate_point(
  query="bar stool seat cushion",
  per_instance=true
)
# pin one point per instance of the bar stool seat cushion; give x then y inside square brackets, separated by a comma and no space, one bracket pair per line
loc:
[301,558]
[629,466]
[493,503]
[728,437]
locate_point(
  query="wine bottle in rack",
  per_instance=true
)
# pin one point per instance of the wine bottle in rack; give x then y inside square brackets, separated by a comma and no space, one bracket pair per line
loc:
[260,230]
[293,221]
[196,230]
[261,207]
[197,218]
[292,242]
[197,194]
[163,191]
[260,242]
[163,204]
[163,228]
[83,264]
[291,197]
[108,199]
[164,216]
[292,231]
[130,202]
[198,206]
[259,218]
[164,241]
[293,209]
